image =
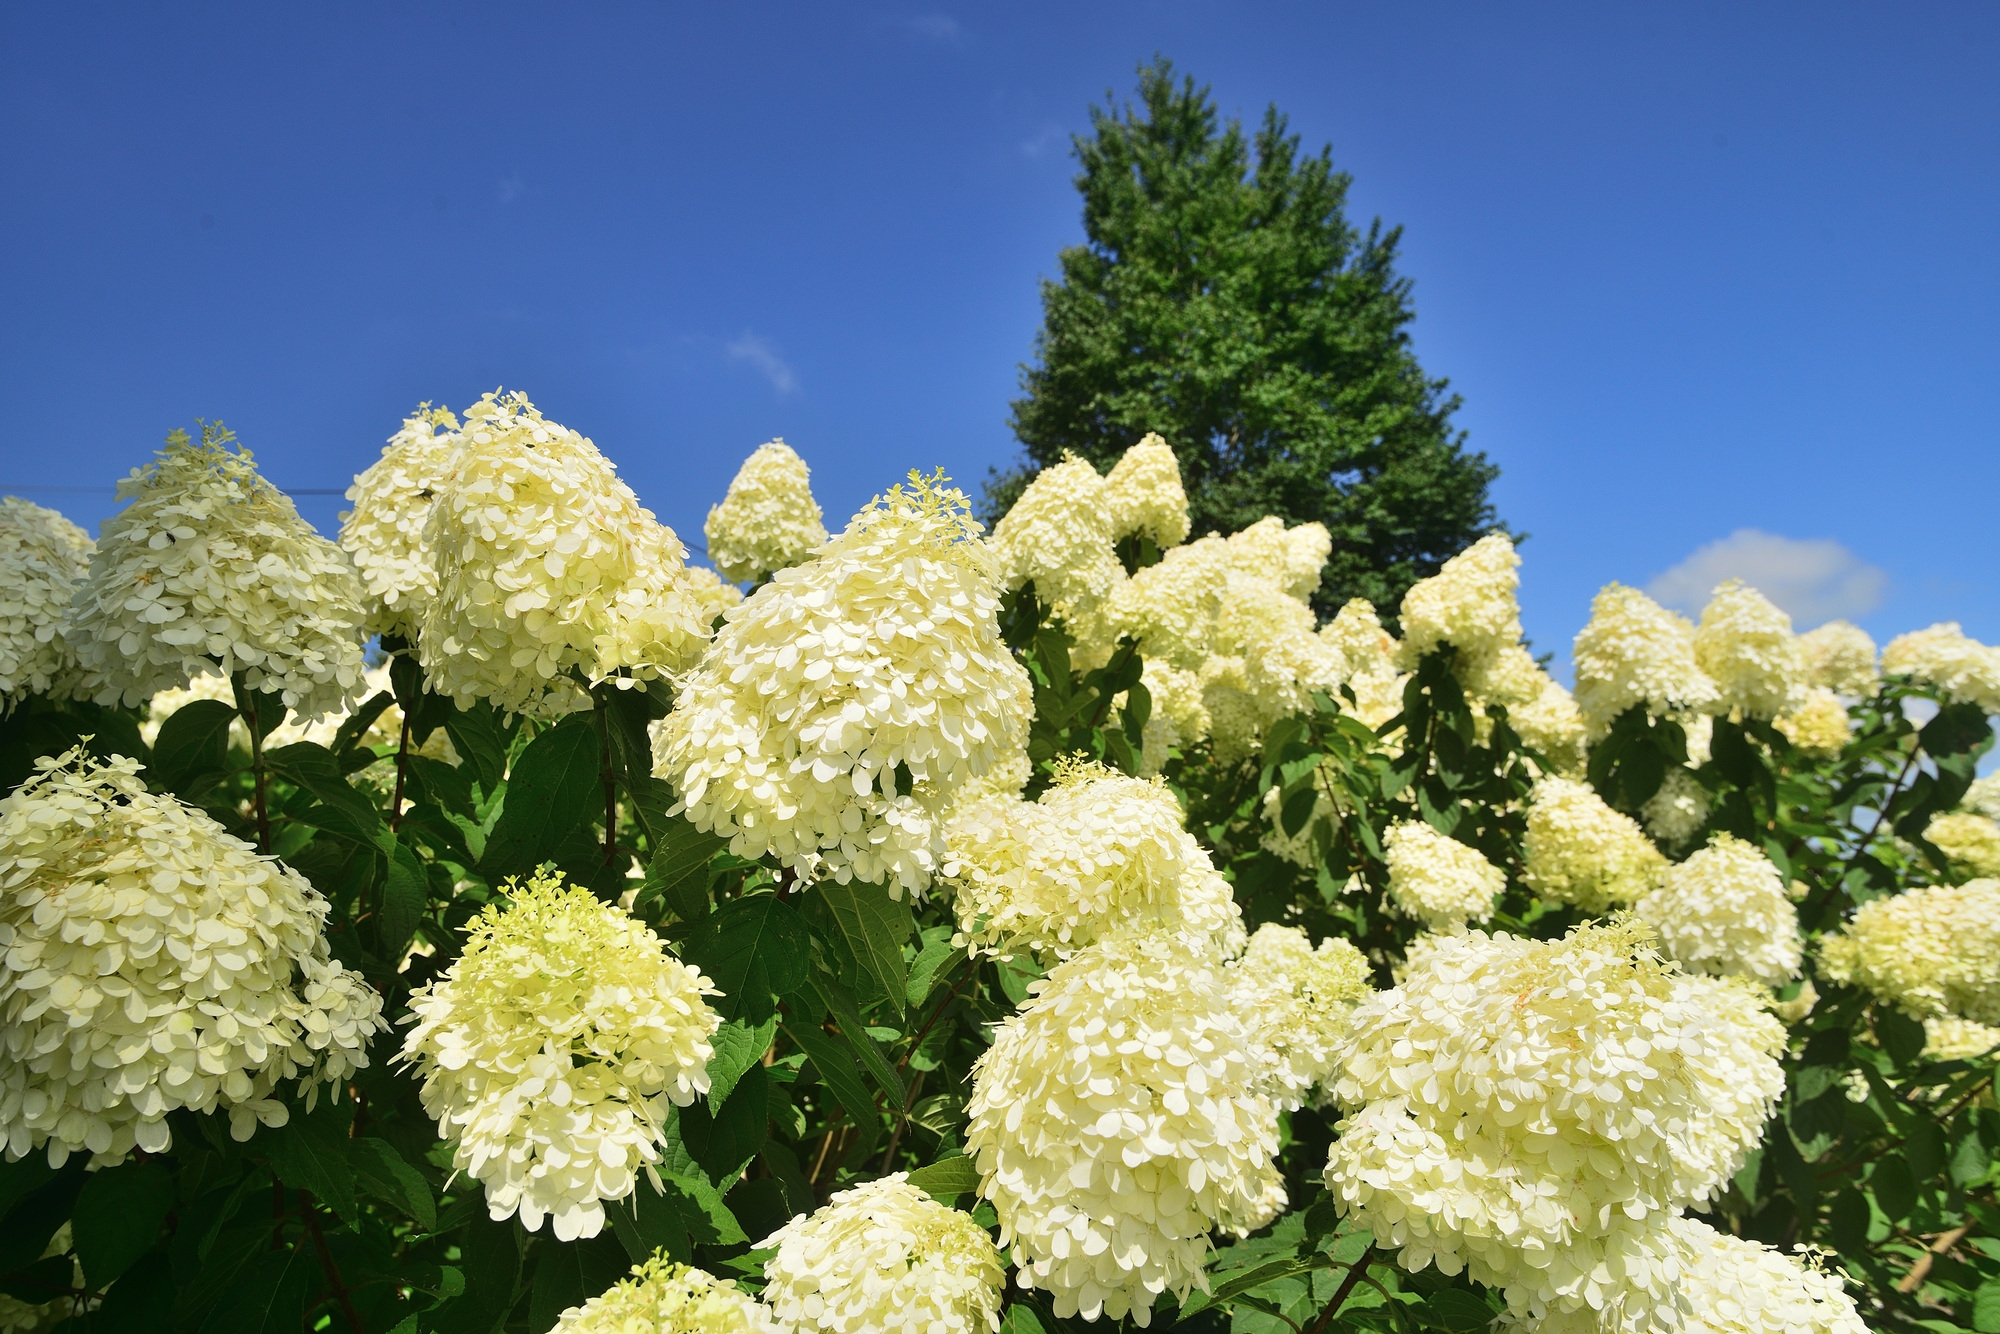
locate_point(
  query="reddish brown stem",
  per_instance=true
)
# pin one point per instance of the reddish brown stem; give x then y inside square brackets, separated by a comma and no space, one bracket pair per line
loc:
[402,770]
[1347,1284]
[326,1264]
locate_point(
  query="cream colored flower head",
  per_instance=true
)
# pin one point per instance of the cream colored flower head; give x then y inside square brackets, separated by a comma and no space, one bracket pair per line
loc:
[1058,536]
[1942,658]
[210,568]
[1746,646]
[43,557]
[1820,725]
[1438,880]
[1578,850]
[1983,796]
[1171,607]
[547,566]
[662,1297]
[1725,910]
[711,595]
[1179,718]
[1678,810]
[1533,1111]
[1370,654]
[1932,952]
[155,962]
[1100,854]
[884,1258]
[1841,657]
[846,701]
[1734,1286]
[1291,558]
[551,1049]
[1116,1121]
[384,532]
[1951,1039]
[1634,651]
[1143,494]
[1284,662]
[769,520]
[1470,604]
[1294,1001]
[1970,840]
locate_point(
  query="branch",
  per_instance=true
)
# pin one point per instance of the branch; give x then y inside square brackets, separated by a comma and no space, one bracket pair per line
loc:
[1354,1272]
[1913,1280]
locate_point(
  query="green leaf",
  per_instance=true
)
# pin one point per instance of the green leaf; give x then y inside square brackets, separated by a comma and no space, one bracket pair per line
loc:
[723,1140]
[341,809]
[754,949]
[477,737]
[192,750]
[356,724]
[1968,1160]
[30,1224]
[924,970]
[567,1276]
[715,1225]
[834,1061]
[738,1046]
[1455,1310]
[20,1178]
[268,1296]
[1894,1188]
[947,1179]
[1901,1036]
[139,1299]
[867,928]
[855,1030]
[405,895]
[554,789]
[310,1152]
[1986,1307]
[446,786]
[677,873]
[384,1173]
[118,1218]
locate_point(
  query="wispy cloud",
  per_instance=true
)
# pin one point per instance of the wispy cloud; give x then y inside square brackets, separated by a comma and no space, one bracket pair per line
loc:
[761,355]
[511,188]
[1815,580]
[937,27]
[1049,138]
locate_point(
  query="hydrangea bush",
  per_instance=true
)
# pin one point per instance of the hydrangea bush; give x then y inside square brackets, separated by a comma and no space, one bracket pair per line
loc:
[492,922]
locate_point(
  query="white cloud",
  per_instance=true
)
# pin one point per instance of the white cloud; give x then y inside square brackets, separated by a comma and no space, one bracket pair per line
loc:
[762,355]
[1816,580]
[938,27]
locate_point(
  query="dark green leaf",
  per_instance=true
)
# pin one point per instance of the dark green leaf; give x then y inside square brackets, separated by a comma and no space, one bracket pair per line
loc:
[341,809]
[385,1174]
[267,1297]
[712,1222]
[477,737]
[926,968]
[1968,1160]
[947,1179]
[34,1219]
[356,724]
[310,1152]
[138,1301]
[834,1061]
[677,872]
[1849,1221]
[405,895]
[723,1140]
[118,1218]
[866,929]
[554,789]
[1924,1149]
[446,786]
[567,1276]
[18,1179]
[754,949]
[192,750]
[855,1030]
[1455,1310]
[1894,1188]
[1901,1036]
[738,1046]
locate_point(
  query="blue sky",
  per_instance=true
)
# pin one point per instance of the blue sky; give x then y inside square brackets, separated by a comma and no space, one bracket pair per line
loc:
[1696,269]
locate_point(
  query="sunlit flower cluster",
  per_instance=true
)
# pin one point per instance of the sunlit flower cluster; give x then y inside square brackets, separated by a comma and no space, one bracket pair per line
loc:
[1294,1000]
[1963,670]
[1820,725]
[43,556]
[884,1256]
[384,532]
[1058,536]
[1438,880]
[1725,910]
[210,568]
[154,962]
[1677,811]
[1534,1112]
[1098,853]
[1840,657]
[846,700]
[662,1297]
[1735,1286]
[1469,604]
[547,566]
[1115,1122]
[1292,558]
[1632,652]
[1578,850]
[1970,840]
[768,520]
[1983,796]
[1369,655]
[1746,646]
[1933,951]
[1143,494]
[551,1048]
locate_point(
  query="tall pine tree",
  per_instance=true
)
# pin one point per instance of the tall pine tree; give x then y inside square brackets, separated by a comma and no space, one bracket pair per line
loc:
[1229,305]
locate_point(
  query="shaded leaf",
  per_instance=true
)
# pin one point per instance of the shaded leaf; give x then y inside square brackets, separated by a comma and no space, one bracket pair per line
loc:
[754,949]
[554,789]
[310,1152]
[738,1046]
[867,929]
[192,749]
[118,1218]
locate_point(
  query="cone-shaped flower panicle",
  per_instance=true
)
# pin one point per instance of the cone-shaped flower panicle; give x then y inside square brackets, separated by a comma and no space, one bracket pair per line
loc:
[1294,1001]
[551,1048]
[210,568]
[1058,536]
[1170,607]
[1438,880]
[1746,646]
[1841,657]
[1932,952]
[1725,911]
[1100,854]
[1116,1122]
[43,557]
[1534,1111]
[1634,651]
[1963,670]
[662,1297]
[1143,494]
[884,1256]
[384,532]
[1677,811]
[769,520]
[1820,725]
[845,701]
[155,962]
[1736,1286]
[1969,839]
[1578,850]
[1291,558]
[1469,604]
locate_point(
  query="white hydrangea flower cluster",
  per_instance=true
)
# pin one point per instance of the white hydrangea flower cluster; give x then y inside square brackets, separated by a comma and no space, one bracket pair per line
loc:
[1983,796]
[1820,725]
[1170,607]
[1143,494]
[1058,535]
[768,520]
[884,1256]
[1470,603]
[1933,952]
[1949,1038]
[384,532]
[1963,670]
[1725,910]
[550,1049]
[1537,1112]
[1970,840]
[1841,657]
[1100,853]
[154,962]
[1116,1121]
[711,595]
[1677,811]
[546,565]
[1746,646]
[1634,651]
[844,702]
[1541,712]
[1266,663]
[210,568]
[1369,655]
[1298,848]
[1294,999]
[1734,1286]
[1292,558]
[43,557]
[662,1297]
[1578,850]
[1438,880]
